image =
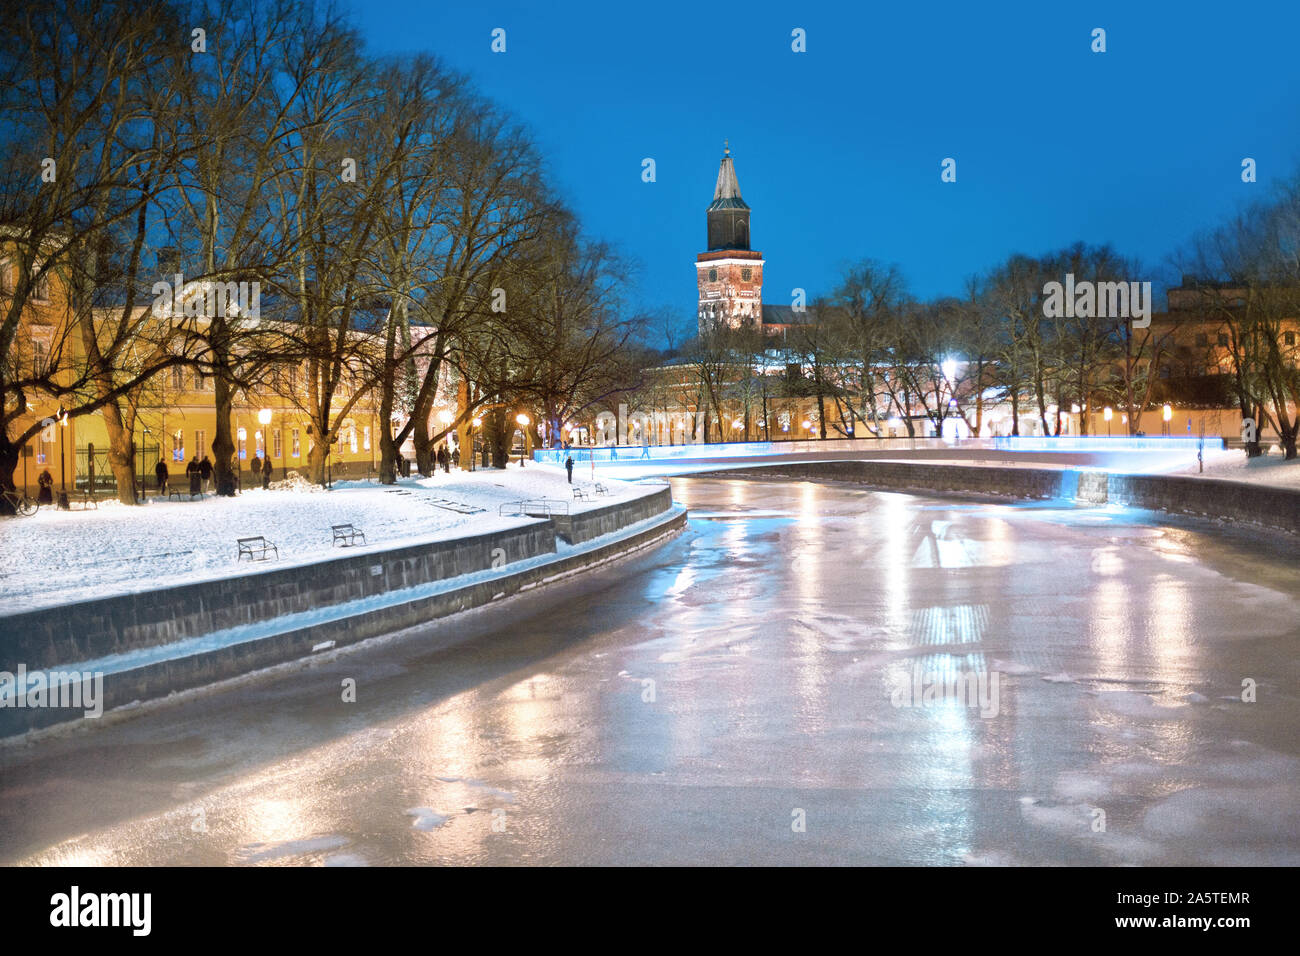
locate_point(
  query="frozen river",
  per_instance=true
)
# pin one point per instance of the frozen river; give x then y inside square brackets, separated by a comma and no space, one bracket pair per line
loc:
[767,688]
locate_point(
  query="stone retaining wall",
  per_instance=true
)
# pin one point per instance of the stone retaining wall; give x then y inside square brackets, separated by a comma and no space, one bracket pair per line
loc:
[1267,507]
[60,637]
[585,525]
[87,630]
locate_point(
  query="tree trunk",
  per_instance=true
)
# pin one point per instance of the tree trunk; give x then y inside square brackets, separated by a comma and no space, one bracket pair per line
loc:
[316,458]
[223,443]
[121,454]
[10,454]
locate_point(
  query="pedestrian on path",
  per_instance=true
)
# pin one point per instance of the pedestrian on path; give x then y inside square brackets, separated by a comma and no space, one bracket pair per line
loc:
[568,466]
[205,473]
[266,475]
[160,472]
[255,466]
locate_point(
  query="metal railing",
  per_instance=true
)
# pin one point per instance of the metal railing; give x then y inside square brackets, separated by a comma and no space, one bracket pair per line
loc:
[536,508]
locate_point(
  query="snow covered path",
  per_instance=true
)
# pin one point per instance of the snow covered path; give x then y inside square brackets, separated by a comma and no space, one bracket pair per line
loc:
[56,557]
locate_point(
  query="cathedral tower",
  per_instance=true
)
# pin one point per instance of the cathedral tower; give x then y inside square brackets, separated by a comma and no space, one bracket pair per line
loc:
[730,274]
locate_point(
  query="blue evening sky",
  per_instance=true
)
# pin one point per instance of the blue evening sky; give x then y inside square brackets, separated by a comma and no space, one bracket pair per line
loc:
[838,149]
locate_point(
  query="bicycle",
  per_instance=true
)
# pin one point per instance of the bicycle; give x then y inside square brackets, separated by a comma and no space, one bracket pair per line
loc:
[20,503]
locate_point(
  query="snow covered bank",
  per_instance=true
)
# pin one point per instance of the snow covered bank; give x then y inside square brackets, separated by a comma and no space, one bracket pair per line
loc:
[55,557]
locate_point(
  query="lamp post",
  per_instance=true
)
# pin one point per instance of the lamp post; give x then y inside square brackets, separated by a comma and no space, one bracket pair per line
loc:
[1108,415]
[264,419]
[144,437]
[477,423]
[1168,414]
[524,421]
[63,458]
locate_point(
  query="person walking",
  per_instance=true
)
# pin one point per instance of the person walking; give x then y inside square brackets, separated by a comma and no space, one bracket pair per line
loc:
[160,472]
[195,476]
[205,473]
[266,474]
[568,466]
[255,466]
[45,496]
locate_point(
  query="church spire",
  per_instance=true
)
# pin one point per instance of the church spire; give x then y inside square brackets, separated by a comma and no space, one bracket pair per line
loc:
[726,195]
[728,214]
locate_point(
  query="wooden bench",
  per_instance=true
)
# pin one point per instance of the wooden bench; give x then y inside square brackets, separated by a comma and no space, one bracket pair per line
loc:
[346,535]
[257,548]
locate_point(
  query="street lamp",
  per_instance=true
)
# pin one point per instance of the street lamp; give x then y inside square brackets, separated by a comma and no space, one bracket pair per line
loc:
[1108,415]
[63,459]
[264,419]
[1168,414]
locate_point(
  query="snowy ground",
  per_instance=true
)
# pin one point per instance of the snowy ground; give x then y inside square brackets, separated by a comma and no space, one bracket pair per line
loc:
[1233,465]
[56,557]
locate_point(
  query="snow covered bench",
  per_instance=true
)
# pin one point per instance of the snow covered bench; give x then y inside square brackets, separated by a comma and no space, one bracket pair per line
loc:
[346,535]
[257,548]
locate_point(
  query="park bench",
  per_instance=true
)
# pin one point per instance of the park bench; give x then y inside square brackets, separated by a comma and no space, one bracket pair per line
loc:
[601,489]
[257,548]
[87,500]
[178,494]
[346,535]
[579,494]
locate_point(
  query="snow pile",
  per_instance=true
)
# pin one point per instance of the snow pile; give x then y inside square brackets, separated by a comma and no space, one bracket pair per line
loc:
[295,482]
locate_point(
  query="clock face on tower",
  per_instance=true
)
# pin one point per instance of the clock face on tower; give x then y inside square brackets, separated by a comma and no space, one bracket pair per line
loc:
[746,275]
[713,275]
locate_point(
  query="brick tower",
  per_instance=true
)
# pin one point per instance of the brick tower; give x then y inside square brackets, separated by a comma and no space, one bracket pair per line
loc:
[730,274]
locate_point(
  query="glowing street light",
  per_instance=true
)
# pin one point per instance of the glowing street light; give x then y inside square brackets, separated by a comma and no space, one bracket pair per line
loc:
[446,417]
[264,417]
[1108,415]
[1167,413]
